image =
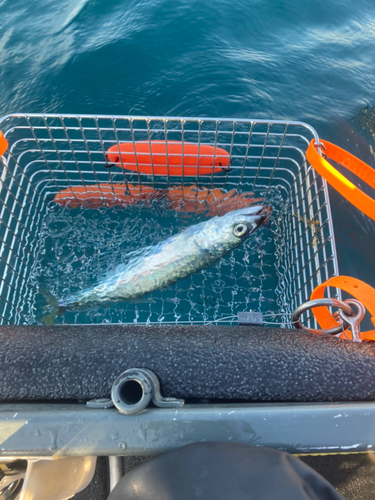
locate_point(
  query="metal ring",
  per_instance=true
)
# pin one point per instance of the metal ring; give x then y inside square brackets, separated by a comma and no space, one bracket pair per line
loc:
[317,303]
[318,144]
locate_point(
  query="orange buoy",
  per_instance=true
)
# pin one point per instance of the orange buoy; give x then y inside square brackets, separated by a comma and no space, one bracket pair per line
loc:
[3,144]
[99,195]
[169,158]
[232,201]
[189,199]
[210,201]
[192,199]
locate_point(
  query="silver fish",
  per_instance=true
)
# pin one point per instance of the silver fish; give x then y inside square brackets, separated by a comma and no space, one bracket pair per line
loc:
[157,267]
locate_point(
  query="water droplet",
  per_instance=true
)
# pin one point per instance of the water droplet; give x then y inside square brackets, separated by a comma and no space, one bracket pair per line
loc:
[122,446]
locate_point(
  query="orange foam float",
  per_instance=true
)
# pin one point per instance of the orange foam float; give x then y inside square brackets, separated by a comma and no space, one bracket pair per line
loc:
[102,195]
[190,199]
[209,201]
[172,158]
[3,144]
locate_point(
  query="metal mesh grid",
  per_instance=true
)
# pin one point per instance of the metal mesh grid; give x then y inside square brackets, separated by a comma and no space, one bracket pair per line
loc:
[48,153]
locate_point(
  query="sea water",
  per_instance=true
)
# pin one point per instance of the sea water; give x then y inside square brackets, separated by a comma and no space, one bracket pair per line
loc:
[78,246]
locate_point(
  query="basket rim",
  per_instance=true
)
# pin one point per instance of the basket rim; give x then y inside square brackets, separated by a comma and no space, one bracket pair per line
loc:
[166,118]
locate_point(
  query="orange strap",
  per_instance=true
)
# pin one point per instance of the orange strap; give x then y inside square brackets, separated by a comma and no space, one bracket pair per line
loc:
[358,289]
[353,194]
[3,144]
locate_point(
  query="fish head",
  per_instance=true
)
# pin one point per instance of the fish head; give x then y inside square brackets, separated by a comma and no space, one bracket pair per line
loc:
[230,230]
[243,222]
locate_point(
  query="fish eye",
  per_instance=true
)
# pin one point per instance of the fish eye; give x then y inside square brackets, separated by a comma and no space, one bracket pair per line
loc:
[240,230]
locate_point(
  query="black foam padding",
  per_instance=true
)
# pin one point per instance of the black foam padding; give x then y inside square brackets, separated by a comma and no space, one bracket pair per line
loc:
[226,362]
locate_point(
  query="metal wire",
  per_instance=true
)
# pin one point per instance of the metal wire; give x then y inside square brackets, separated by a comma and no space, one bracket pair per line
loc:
[52,152]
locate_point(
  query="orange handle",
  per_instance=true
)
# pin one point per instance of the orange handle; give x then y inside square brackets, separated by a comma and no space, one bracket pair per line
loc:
[3,144]
[353,194]
[358,289]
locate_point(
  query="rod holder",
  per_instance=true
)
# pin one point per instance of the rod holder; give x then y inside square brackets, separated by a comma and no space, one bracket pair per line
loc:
[136,388]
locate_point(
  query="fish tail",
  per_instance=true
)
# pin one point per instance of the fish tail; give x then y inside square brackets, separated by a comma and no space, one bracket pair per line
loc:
[49,319]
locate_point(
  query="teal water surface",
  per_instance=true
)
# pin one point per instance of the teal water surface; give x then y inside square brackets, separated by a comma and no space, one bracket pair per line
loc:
[312,61]
[78,247]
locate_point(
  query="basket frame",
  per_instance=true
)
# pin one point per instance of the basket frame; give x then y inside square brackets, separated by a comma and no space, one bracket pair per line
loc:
[264,153]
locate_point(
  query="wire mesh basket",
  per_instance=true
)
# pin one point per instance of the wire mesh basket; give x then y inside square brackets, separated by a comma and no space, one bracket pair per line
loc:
[49,153]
